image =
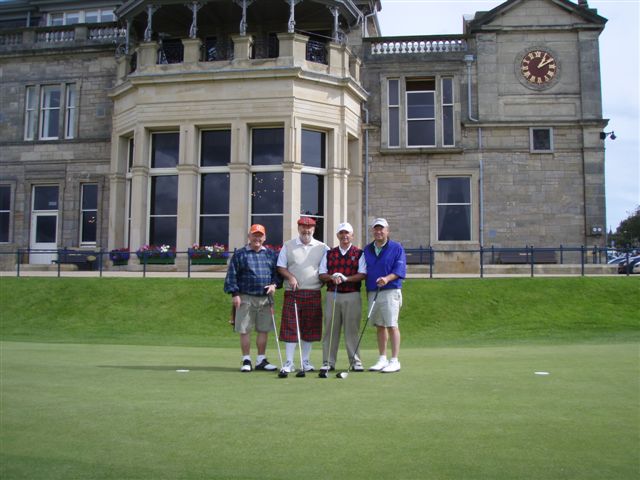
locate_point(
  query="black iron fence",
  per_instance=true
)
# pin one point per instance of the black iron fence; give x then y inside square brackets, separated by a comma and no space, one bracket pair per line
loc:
[429,258]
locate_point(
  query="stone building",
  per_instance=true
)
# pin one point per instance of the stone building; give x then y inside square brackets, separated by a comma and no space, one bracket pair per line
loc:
[168,122]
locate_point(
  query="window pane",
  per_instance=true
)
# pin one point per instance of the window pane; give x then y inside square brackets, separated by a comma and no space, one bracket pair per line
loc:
[216,148]
[45,198]
[421,132]
[421,105]
[421,85]
[267,192]
[89,227]
[454,190]
[56,19]
[164,195]
[89,197]
[394,96]
[454,222]
[5,198]
[267,146]
[71,116]
[273,225]
[30,113]
[394,127]
[313,148]
[541,139]
[92,17]
[162,231]
[214,194]
[4,227]
[312,193]
[72,18]
[447,91]
[164,150]
[107,16]
[46,229]
[50,112]
[214,230]
[130,155]
[447,125]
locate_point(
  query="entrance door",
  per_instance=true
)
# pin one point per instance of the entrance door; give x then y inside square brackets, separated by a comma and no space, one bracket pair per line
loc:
[44,224]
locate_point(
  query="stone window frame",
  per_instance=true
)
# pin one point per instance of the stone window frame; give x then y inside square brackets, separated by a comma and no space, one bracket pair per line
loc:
[434,175]
[67,112]
[402,112]
[532,140]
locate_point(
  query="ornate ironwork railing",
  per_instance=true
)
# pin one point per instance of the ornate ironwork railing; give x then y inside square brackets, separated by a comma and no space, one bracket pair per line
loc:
[317,51]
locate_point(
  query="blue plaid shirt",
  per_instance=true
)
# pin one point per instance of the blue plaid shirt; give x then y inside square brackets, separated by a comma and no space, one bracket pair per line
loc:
[250,271]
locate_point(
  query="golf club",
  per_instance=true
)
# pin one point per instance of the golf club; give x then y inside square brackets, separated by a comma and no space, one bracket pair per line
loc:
[295,308]
[324,371]
[281,373]
[352,360]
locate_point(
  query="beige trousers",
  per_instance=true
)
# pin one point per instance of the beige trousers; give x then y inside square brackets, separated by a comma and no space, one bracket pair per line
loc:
[346,317]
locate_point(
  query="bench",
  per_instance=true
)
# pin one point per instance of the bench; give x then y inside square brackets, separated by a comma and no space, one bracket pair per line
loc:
[524,257]
[83,259]
[418,256]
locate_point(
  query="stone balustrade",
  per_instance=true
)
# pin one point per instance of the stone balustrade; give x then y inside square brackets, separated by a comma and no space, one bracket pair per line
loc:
[411,45]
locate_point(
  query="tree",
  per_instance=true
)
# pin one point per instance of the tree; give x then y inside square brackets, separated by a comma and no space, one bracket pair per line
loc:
[628,232]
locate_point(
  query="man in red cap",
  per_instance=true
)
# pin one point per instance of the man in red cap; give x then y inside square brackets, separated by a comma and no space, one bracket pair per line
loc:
[298,263]
[251,278]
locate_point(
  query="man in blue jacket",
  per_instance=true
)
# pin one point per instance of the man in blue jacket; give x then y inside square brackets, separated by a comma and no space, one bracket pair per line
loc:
[386,268]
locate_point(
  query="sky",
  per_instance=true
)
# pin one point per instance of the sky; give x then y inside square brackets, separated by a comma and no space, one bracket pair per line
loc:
[620,73]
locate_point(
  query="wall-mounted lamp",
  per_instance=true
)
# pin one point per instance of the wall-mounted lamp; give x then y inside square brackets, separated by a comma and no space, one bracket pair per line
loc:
[604,135]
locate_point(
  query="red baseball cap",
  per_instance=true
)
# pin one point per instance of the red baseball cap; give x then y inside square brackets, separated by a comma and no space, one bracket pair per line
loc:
[257,228]
[308,221]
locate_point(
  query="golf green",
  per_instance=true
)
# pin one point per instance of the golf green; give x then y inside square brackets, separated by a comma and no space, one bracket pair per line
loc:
[76,411]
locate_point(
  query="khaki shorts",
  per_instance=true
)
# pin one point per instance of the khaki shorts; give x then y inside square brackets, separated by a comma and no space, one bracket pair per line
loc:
[253,313]
[387,308]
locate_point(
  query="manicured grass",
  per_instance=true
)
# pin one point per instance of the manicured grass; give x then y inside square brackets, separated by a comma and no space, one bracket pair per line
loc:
[123,412]
[89,387]
[194,312]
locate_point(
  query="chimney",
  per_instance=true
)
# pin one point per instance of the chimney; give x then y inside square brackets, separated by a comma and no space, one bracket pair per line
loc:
[583,3]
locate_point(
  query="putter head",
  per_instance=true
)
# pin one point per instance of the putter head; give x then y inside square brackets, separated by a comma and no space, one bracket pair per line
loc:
[342,375]
[282,374]
[301,374]
[323,373]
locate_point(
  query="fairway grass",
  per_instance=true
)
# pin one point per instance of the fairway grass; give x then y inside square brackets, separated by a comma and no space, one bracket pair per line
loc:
[77,411]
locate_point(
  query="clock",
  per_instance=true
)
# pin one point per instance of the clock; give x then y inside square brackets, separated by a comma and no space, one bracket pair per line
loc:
[538,68]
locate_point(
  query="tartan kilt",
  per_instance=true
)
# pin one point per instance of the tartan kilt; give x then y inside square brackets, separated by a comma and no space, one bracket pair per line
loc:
[309,304]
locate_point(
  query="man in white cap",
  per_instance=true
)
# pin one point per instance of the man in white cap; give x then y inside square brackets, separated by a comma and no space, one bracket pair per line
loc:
[386,268]
[342,268]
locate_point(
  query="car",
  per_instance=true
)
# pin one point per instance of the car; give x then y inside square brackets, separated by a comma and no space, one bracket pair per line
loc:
[633,262]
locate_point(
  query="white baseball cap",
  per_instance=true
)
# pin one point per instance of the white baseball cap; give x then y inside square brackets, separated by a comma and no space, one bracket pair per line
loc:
[381,222]
[346,226]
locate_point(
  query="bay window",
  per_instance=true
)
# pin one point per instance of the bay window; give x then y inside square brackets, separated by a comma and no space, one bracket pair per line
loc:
[163,206]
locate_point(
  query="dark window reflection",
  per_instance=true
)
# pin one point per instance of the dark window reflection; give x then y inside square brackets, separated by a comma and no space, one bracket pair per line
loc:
[164,150]
[46,229]
[214,230]
[267,146]
[313,148]
[164,195]
[273,225]
[45,198]
[454,190]
[214,193]
[162,231]
[267,192]
[216,148]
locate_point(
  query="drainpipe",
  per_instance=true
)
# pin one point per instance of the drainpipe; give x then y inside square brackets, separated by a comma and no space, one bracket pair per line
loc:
[365,30]
[468,59]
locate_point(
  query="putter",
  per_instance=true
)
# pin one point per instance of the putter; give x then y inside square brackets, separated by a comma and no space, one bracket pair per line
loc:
[301,373]
[324,371]
[281,373]
[352,360]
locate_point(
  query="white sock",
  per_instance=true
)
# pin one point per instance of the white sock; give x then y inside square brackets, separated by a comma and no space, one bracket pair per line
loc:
[306,350]
[246,357]
[383,357]
[290,350]
[394,359]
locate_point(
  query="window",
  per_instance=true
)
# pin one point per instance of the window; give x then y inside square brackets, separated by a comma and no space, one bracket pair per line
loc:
[421,120]
[447,112]
[129,190]
[267,184]
[541,139]
[312,181]
[5,212]
[80,16]
[89,213]
[71,118]
[163,213]
[394,112]
[454,208]
[30,114]
[50,112]
[420,112]
[215,155]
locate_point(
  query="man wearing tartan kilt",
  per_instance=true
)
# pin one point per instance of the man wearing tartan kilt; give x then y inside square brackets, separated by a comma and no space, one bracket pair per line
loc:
[343,268]
[298,264]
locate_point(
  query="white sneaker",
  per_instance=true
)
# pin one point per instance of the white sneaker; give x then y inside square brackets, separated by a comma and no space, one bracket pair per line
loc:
[394,366]
[289,367]
[357,367]
[382,363]
[307,366]
[246,366]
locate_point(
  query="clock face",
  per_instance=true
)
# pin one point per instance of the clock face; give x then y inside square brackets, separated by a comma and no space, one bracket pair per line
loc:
[538,67]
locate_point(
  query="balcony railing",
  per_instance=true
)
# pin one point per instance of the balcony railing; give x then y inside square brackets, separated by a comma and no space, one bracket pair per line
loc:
[409,45]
